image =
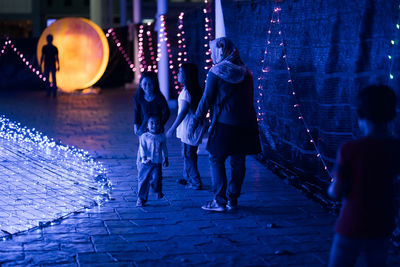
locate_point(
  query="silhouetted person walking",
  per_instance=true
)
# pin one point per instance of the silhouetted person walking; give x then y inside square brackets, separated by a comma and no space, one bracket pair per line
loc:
[51,65]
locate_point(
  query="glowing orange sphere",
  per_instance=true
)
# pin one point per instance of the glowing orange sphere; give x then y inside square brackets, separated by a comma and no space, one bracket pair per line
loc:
[83,52]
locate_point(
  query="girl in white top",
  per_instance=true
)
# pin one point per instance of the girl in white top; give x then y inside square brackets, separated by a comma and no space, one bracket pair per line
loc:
[187,104]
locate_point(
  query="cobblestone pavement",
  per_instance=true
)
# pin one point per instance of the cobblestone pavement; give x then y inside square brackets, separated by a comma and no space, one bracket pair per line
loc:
[275,226]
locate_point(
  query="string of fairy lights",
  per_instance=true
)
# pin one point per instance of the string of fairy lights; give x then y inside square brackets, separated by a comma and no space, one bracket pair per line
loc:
[146,38]
[275,20]
[149,36]
[44,181]
[208,33]
[111,33]
[3,49]
[163,38]
[181,55]
[141,57]
[35,70]
[393,44]
[147,59]
[260,89]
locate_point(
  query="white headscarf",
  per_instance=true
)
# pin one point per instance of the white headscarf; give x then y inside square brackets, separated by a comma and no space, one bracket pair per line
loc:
[228,65]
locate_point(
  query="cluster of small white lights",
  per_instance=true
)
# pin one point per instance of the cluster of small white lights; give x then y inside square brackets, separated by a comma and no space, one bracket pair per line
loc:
[20,55]
[181,50]
[111,33]
[146,34]
[275,19]
[44,181]
[207,36]
[393,44]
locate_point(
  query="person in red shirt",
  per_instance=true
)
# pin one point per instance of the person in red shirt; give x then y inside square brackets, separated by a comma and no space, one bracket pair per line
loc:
[366,179]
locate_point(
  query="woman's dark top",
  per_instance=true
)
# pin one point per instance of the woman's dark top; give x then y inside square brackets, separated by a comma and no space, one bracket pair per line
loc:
[144,109]
[236,130]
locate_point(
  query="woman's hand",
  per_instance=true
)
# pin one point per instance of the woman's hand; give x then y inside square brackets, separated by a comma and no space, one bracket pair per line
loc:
[192,127]
[145,160]
[166,162]
[336,189]
[141,130]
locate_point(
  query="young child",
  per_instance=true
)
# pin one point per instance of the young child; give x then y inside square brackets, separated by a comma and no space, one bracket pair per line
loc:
[365,178]
[152,149]
[187,103]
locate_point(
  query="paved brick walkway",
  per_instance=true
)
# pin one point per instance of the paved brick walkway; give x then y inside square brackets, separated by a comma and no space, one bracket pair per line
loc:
[275,226]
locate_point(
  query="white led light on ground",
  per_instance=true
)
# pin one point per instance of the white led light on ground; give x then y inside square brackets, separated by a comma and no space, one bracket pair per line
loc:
[44,181]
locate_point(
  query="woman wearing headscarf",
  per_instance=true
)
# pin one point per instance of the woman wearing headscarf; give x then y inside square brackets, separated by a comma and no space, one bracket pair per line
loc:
[234,130]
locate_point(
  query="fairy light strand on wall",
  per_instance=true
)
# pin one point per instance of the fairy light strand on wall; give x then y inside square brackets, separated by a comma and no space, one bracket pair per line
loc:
[275,20]
[208,34]
[393,43]
[260,90]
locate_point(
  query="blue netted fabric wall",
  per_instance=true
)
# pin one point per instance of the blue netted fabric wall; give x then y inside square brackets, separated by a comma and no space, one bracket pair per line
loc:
[333,48]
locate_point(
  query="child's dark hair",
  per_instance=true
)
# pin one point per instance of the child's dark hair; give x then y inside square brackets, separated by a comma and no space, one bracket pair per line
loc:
[377,103]
[154,117]
[191,83]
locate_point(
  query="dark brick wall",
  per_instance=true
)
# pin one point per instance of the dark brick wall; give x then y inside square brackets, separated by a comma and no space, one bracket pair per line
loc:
[334,48]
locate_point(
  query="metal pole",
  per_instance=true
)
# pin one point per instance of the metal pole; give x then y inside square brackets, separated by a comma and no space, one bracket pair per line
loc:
[219,20]
[110,14]
[137,19]
[96,12]
[122,13]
